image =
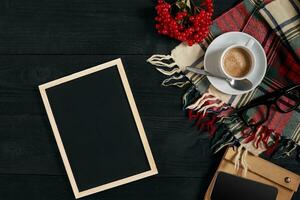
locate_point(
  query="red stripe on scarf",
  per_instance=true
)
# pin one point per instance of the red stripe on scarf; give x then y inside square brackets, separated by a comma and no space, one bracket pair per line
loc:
[222,23]
[257,29]
[222,26]
[270,47]
[230,23]
[289,70]
[279,120]
[240,19]
[294,72]
[242,10]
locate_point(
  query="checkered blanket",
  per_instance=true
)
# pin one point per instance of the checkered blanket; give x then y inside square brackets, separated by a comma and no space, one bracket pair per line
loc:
[209,109]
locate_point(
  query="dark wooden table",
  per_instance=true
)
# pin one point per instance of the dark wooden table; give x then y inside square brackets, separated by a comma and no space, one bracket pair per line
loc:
[45,39]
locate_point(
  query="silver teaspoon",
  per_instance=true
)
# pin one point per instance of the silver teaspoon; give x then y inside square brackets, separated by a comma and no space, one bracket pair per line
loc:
[243,84]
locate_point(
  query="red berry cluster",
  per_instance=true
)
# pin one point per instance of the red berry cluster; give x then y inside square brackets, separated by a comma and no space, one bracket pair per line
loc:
[185,25]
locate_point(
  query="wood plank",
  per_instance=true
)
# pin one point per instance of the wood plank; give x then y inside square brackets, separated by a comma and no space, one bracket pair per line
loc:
[57,188]
[74,27]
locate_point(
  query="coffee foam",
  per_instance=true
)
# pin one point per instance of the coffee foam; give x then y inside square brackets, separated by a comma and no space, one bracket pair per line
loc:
[237,62]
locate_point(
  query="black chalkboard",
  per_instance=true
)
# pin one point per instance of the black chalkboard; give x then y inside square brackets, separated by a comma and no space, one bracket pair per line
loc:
[230,187]
[98,129]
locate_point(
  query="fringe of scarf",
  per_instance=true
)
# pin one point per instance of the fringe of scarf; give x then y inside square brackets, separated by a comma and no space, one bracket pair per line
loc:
[166,65]
[241,159]
[226,129]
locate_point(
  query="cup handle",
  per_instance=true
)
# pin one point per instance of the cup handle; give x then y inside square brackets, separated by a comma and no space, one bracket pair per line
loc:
[250,43]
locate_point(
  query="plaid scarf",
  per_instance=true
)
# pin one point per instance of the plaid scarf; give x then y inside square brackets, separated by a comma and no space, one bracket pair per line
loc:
[286,23]
[210,109]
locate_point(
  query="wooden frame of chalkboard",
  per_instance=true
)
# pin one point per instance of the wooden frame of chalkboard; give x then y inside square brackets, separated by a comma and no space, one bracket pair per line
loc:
[152,170]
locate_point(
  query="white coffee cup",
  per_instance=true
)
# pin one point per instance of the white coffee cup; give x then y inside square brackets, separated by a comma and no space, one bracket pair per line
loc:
[247,47]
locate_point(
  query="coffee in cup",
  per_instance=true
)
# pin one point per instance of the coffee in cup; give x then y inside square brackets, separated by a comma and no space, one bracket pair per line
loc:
[237,61]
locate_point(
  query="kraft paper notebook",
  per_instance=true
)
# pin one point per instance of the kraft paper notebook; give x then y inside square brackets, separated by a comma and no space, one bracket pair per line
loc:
[264,180]
[98,129]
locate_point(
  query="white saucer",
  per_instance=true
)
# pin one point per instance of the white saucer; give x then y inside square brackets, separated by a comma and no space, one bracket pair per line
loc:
[213,53]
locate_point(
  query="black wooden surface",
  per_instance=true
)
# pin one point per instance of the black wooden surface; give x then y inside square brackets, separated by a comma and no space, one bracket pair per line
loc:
[41,40]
